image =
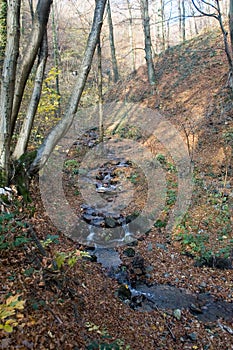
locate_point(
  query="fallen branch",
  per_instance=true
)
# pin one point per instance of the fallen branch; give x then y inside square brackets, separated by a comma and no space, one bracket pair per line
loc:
[36,240]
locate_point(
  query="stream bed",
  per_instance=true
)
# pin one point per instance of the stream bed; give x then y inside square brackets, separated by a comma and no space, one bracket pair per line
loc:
[107,211]
[147,297]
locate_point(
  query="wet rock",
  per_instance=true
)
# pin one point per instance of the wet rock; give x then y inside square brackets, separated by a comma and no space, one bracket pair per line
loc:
[192,336]
[108,257]
[138,262]
[88,217]
[195,309]
[110,222]
[215,262]
[177,314]
[150,247]
[131,217]
[98,221]
[137,301]
[202,286]
[123,292]
[138,271]
[161,246]
[133,243]
[129,252]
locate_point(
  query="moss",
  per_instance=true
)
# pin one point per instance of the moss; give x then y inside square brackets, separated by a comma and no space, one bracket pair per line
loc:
[21,178]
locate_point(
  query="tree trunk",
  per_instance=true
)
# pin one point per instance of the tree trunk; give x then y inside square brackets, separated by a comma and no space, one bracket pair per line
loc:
[64,124]
[131,39]
[39,25]
[3,31]
[183,22]
[231,24]
[100,92]
[230,80]
[148,51]
[25,131]
[112,44]
[180,18]
[56,57]
[162,25]
[8,84]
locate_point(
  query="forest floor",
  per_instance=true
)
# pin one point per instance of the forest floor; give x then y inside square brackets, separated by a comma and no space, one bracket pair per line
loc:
[62,299]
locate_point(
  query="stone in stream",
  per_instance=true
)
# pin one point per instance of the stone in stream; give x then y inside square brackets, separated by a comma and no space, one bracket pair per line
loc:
[110,222]
[129,252]
[123,292]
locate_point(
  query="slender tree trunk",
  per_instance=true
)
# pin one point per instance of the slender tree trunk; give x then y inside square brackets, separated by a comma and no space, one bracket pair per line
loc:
[112,44]
[56,56]
[180,18]
[230,79]
[64,124]
[26,128]
[163,25]
[39,24]
[8,84]
[148,51]
[157,27]
[194,19]
[168,27]
[131,38]
[231,24]
[100,91]
[183,22]
[3,31]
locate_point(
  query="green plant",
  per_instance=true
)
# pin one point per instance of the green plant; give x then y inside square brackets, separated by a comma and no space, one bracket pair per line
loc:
[72,165]
[105,342]
[49,240]
[69,258]
[171,197]
[8,309]
[161,159]
[160,223]
[8,228]
[134,178]
[129,132]
[228,137]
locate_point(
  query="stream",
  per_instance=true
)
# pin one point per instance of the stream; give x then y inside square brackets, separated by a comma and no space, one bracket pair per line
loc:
[105,211]
[146,297]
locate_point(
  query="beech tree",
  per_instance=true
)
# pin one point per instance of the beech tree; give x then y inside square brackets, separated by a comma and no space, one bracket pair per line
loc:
[3,32]
[148,45]
[112,44]
[15,74]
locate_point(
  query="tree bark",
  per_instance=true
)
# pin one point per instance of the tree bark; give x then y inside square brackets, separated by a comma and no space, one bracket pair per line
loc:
[64,124]
[56,57]
[8,84]
[39,25]
[231,24]
[100,92]
[148,50]
[131,39]
[180,18]
[163,25]
[26,128]
[3,31]
[112,44]
[183,22]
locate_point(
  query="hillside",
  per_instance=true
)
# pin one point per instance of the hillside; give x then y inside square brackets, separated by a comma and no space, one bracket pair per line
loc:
[82,304]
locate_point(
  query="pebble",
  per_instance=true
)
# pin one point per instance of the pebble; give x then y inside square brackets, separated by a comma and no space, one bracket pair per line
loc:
[192,336]
[177,314]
